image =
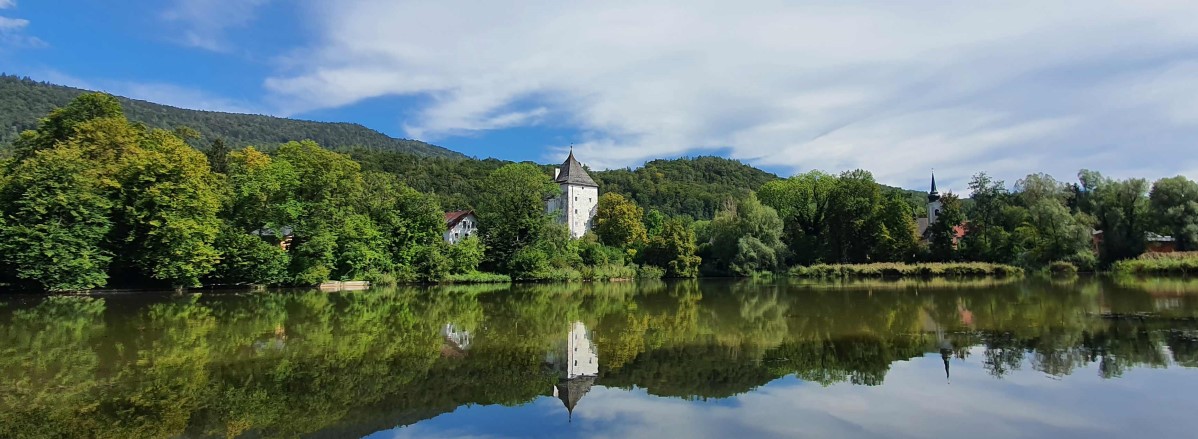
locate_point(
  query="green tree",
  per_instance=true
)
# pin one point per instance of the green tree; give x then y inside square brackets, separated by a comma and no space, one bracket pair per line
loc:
[56,218]
[511,212]
[1174,206]
[218,156]
[618,222]
[896,236]
[248,259]
[746,238]
[942,238]
[802,203]
[408,219]
[168,209]
[1121,210]
[262,192]
[851,206]
[61,123]
[465,255]
[989,237]
[674,250]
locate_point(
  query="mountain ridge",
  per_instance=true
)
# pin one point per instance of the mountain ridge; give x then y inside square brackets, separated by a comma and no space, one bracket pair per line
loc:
[23,101]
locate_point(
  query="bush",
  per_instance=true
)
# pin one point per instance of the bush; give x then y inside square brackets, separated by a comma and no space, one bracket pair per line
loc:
[477,277]
[895,270]
[650,272]
[1062,268]
[248,259]
[1176,264]
[465,255]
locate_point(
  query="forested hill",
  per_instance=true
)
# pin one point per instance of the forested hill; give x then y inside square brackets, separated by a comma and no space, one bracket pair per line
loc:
[23,101]
[686,186]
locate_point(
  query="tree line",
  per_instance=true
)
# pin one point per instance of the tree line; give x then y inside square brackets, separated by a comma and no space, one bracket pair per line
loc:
[90,199]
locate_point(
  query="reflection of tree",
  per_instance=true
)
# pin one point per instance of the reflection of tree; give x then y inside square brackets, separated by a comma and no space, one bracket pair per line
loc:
[287,364]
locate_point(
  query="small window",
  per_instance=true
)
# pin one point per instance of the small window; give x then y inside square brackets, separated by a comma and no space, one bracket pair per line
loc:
[575,198]
[575,210]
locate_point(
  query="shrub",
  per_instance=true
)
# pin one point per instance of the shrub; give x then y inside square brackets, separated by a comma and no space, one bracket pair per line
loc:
[895,270]
[1062,268]
[650,272]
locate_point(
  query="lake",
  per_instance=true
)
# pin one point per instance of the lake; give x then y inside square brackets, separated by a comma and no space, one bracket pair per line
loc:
[1086,358]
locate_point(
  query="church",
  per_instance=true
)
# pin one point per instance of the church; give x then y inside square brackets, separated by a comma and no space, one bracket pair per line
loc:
[575,206]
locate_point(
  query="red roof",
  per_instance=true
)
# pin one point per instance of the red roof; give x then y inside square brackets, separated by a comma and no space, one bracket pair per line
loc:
[453,218]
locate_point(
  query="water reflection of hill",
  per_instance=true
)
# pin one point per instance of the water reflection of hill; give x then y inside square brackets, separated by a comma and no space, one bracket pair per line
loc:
[299,364]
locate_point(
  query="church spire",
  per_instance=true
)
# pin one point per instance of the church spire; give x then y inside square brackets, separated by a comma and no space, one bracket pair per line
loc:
[933,194]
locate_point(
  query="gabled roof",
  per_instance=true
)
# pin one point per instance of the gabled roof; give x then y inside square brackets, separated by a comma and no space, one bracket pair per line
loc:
[571,172]
[455,217]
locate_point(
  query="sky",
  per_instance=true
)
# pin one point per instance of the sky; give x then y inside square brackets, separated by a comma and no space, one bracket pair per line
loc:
[897,88]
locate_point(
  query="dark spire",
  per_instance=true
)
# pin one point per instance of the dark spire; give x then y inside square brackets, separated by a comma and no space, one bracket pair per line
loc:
[946,354]
[573,173]
[933,195]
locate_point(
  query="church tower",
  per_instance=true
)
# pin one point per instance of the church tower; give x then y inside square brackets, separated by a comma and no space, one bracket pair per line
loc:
[933,202]
[575,206]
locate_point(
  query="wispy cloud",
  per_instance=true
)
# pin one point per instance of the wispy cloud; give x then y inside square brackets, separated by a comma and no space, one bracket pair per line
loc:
[203,23]
[5,4]
[12,31]
[156,92]
[894,87]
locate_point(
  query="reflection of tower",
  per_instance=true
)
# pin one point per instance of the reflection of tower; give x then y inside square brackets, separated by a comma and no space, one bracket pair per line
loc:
[576,364]
[946,350]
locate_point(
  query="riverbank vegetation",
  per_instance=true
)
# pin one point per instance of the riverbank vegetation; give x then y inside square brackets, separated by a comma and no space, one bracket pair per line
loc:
[896,270]
[1159,264]
[90,199]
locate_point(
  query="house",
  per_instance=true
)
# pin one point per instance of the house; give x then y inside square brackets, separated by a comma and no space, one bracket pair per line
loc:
[459,225]
[1154,243]
[576,205]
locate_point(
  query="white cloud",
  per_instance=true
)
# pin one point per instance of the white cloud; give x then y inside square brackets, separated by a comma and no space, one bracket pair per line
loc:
[202,23]
[12,32]
[5,4]
[156,92]
[893,87]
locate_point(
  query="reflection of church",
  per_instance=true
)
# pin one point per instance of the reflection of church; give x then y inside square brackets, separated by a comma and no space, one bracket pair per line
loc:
[576,364]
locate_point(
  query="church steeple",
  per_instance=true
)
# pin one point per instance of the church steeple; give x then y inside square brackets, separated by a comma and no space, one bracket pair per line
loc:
[933,194]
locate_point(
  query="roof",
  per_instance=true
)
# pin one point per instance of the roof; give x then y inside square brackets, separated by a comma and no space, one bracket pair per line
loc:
[933,194]
[570,391]
[571,172]
[455,217]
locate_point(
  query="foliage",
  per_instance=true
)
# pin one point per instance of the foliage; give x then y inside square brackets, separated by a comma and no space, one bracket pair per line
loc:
[248,259]
[1183,264]
[934,269]
[1174,205]
[466,255]
[512,215]
[617,222]
[746,237]
[25,101]
[694,187]
[56,216]
[942,236]
[674,250]
[1121,209]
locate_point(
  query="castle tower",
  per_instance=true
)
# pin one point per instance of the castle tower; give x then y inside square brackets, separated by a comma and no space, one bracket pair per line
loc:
[933,202]
[579,198]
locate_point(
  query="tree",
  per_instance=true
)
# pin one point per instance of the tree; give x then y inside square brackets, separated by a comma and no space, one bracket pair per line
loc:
[511,211]
[61,123]
[465,255]
[618,222]
[988,238]
[1121,210]
[248,259]
[942,238]
[262,192]
[407,218]
[897,238]
[802,203]
[1174,206]
[851,205]
[218,156]
[56,216]
[674,250]
[760,229]
[168,209]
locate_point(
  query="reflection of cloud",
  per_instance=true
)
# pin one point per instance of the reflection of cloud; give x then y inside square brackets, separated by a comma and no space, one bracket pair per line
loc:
[914,402]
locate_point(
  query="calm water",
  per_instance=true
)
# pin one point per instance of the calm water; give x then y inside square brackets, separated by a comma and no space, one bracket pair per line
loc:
[1085,359]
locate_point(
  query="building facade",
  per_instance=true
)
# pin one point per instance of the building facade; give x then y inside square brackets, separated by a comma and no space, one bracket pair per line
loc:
[459,225]
[576,205]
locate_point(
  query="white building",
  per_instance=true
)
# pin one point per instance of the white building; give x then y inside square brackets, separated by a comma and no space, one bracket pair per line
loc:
[459,225]
[577,365]
[933,209]
[579,198]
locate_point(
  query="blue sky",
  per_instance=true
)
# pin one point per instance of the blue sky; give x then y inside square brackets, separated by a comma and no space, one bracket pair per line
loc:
[897,88]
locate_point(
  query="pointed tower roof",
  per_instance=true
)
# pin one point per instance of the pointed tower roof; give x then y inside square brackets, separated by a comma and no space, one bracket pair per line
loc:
[933,194]
[573,173]
[571,390]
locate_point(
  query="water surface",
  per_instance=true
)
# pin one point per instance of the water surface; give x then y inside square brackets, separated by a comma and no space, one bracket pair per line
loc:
[1086,358]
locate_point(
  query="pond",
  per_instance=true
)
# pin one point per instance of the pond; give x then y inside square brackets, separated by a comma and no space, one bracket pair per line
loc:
[713,358]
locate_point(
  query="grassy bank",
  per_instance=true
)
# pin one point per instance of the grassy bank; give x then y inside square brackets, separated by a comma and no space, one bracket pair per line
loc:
[895,270]
[1159,264]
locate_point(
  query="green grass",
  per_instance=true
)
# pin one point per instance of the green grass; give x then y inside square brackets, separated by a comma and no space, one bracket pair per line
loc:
[897,270]
[1159,264]
[478,277]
